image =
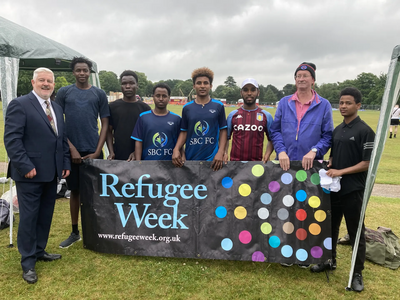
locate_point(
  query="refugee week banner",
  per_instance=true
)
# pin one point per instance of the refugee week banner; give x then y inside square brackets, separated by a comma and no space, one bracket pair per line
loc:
[246,211]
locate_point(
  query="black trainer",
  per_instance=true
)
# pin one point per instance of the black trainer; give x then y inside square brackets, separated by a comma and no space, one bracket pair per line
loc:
[72,239]
[357,284]
[286,265]
[327,265]
[303,266]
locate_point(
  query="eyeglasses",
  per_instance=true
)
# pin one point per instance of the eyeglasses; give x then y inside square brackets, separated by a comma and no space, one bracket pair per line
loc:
[302,76]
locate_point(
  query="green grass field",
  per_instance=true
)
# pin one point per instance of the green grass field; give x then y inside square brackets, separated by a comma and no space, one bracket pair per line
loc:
[84,274]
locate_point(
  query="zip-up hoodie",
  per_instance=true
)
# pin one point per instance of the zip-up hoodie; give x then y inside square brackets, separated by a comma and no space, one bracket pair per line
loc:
[315,130]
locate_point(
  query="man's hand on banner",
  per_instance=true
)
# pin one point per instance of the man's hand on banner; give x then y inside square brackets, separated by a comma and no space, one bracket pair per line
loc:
[225,158]
[75,155]
[111,156]
[131,156]
[177,158]
[308,160]
[266,157]
[91,156]
[217,162]
[284,161]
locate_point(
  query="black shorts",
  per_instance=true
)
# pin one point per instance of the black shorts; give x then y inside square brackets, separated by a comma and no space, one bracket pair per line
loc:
[73,178]
[394,122]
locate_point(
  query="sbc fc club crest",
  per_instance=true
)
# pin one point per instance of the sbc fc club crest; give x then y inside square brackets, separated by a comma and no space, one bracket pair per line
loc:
[201,128]
[160,139]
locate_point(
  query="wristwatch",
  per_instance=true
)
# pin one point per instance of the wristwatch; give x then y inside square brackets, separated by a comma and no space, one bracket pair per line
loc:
[315,150]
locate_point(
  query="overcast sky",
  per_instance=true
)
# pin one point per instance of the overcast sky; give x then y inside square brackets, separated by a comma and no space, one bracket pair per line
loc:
[265,40]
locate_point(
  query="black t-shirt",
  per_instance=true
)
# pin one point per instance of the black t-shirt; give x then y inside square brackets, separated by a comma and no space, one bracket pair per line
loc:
[123,117]
[351,144]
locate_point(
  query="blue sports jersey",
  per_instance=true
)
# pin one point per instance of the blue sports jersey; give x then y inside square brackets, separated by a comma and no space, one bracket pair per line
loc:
[158,134]
[81,109]
[202,123]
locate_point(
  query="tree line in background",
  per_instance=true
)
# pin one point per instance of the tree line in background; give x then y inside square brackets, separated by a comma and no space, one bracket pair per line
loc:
[370,85]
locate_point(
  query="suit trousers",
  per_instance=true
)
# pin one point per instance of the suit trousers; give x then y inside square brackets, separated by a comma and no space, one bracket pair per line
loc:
[36,206]
[349,206]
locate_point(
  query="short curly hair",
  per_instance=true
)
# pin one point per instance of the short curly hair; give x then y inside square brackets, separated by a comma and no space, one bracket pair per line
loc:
[352,91]
[128,73]
[203,72]
[162,85]
[81,59]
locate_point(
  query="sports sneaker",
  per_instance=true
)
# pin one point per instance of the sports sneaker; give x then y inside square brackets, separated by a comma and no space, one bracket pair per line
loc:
[286,265]
[327,265]
[73,238]
[357,284]
[303,266]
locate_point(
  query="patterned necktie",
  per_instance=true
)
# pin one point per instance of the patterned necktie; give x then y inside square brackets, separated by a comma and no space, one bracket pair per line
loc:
[50,116]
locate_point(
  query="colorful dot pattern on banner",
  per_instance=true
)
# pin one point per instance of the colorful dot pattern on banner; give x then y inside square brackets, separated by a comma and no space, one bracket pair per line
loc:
[240,212]
[257,170]
[301,234]
[258,256]
[292,226]
[227,244]
[287,178]
[301,214]
[288,200]
[283,214]
[316,251]
[227,182]
[263,213]
[244,190]
[315,179]
[301,254]
[287,251]
[314,229]
[245,237]
[274,241]
[301,195]
[266,228]
[266,198]
[314,202]
[288,228]
[274,186]
[301,175]
[220,212]
[320,215]
[328,243]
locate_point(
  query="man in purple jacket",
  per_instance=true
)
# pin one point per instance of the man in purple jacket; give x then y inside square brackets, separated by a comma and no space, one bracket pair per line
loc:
[303,125]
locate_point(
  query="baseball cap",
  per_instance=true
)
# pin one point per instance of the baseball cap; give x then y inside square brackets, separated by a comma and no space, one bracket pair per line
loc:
[250,81]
